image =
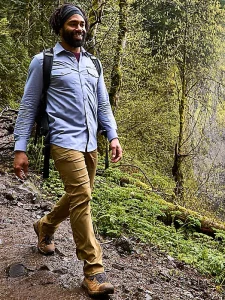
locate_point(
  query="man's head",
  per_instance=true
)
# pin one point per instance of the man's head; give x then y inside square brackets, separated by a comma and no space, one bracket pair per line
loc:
[70,22]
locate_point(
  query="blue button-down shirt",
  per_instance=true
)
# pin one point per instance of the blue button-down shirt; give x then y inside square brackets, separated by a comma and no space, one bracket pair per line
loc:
[77,100]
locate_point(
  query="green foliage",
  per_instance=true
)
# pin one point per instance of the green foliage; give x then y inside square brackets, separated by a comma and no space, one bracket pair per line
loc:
[3,28]
[135,212]
[53,186]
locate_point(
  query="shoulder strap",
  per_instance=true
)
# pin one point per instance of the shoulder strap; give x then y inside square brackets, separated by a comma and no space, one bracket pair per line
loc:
[95,62]
[47,68]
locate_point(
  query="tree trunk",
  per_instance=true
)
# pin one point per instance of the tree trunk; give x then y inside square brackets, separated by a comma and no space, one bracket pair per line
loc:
[94,18]
[190,219]
[180,147]
[116,75]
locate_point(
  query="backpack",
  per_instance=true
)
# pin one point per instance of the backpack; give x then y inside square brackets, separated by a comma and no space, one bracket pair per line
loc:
[41,120]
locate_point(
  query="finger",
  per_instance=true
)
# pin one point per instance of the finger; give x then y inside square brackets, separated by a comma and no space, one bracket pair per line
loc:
[25,170]
[118,155]
[113,153]
[18,172]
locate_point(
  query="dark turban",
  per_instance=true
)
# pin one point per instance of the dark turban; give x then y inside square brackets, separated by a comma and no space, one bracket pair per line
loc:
[68,12]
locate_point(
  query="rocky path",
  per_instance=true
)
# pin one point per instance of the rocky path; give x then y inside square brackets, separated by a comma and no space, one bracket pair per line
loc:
[138,272]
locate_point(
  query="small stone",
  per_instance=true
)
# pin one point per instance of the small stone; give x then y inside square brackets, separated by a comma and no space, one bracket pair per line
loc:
[61,271]
[123,244]
[46,205]
[170,258]
[151,281]
[118,266]
[27,207]
[16,270]
[9,196]
[44,268]
[36,206]
[34,249]
[188,294]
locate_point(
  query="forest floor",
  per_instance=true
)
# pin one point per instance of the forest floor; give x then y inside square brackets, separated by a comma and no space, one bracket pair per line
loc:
[138,271]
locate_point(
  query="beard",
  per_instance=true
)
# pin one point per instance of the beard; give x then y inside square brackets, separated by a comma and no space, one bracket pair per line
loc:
[69,38]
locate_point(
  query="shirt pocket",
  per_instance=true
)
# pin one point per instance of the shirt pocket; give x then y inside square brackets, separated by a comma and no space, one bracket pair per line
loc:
[92,72]
[61,77]
[92,77]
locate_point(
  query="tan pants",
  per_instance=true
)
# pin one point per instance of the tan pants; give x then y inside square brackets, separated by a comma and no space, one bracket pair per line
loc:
[77,171]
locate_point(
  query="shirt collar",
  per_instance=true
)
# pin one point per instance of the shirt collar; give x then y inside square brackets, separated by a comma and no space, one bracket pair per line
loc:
[58,48]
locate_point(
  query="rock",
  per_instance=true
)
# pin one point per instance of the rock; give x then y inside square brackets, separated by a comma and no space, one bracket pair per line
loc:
[9,196]
[61,271]
[27,206]
[46,205]
[2,187]
[16,270]
[188,294]
[45,268]
[118,266]
[170,258]
[123,244]
[31,191]
[34,249]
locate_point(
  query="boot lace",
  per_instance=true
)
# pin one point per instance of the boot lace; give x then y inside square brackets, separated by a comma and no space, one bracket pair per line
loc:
[101,277]
[48,239]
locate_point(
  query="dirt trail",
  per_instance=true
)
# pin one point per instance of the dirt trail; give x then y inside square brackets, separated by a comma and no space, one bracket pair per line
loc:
[146,273]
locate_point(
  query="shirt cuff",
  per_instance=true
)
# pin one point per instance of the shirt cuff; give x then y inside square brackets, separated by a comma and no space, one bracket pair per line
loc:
[112,134]
[21,145]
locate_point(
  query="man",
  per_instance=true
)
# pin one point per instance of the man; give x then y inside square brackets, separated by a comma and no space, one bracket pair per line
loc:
[77,100]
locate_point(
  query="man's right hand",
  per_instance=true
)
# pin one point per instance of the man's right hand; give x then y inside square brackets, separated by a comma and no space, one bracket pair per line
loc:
[21,164]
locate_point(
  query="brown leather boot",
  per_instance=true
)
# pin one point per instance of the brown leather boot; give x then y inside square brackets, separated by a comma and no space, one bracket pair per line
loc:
[45,242]
[97,285]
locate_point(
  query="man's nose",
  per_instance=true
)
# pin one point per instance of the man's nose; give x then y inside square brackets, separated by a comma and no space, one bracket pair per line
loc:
[80,28]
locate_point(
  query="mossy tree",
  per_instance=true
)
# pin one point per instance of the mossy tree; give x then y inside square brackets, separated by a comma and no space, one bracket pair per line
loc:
[94,16]
[184,36]
[116,75]
[28,33]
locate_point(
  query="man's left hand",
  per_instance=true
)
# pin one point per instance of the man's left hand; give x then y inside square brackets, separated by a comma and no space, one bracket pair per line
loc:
[116,150]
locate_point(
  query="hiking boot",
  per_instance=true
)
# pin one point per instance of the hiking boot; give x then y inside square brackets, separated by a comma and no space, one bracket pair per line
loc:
[97,285]
[45,242]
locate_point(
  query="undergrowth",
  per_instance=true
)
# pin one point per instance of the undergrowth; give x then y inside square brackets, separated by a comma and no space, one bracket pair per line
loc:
[123,205]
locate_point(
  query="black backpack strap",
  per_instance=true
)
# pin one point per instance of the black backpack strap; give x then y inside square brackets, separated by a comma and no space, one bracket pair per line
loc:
[95,61]
[97,64]
[47,68]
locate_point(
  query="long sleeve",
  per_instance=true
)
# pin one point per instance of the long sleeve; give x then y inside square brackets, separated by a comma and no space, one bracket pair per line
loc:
[28,107]
[105,115]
